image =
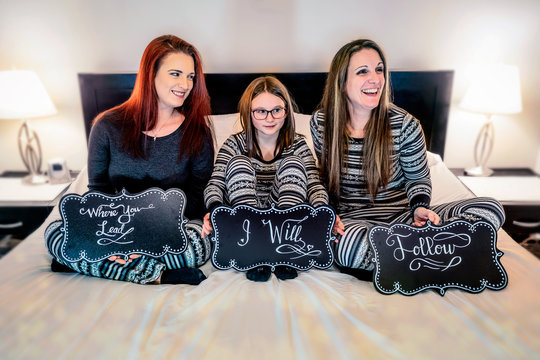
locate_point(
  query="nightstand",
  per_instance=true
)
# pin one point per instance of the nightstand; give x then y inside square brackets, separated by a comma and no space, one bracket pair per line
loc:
[23,208]
[518,190]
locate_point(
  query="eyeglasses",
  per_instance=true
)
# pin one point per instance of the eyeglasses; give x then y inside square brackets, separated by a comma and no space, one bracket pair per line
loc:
[277,113]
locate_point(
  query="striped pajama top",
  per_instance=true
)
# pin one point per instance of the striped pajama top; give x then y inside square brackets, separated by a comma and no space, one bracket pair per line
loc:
[215,193]
[409,183]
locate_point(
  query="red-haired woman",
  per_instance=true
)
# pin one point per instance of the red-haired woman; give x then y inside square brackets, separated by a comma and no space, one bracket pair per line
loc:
[158,138]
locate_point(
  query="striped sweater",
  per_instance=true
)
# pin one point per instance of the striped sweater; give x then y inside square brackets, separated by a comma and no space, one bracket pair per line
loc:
[215,193]
[409,182]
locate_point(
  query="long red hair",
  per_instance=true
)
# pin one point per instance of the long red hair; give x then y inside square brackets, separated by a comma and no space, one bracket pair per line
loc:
[140,112]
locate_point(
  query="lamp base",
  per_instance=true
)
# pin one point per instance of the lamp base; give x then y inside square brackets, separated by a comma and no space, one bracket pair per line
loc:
[478,171]
[35,179]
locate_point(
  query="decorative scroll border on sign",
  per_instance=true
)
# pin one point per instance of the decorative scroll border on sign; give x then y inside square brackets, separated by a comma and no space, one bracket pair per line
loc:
[459,255]
[98,225]
[246,237]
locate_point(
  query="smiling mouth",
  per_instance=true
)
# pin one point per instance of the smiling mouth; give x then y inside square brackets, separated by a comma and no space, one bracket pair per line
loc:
[178,93]
[370,91]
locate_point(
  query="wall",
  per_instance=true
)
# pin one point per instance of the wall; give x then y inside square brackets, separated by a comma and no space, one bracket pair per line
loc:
[59,39]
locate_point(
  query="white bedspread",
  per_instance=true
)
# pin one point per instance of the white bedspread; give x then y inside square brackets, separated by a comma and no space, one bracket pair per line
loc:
[319,315]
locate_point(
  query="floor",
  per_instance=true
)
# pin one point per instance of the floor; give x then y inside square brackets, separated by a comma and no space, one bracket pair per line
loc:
[7,243]
[532,244]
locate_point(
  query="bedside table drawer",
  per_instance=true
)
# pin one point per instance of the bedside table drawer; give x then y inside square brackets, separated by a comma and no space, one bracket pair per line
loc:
[21,221]
[521,220]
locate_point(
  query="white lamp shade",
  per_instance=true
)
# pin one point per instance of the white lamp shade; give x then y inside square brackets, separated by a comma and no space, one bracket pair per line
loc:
[495,89]
[22,96]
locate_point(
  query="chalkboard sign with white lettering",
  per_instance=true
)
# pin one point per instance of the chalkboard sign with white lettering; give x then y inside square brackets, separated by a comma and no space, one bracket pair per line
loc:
[97,225]
[246,237]
[459,254]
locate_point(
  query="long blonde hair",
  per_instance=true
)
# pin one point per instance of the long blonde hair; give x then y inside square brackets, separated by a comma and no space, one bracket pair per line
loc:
[377,133]
[273,86]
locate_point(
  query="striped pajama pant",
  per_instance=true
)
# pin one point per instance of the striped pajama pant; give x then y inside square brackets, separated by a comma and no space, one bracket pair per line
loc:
[353,249]
[142,270]
[289,187]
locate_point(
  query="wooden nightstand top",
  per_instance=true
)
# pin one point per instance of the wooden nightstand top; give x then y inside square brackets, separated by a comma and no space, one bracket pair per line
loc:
[505,188]
[14,193]
[500,172]
[508,185]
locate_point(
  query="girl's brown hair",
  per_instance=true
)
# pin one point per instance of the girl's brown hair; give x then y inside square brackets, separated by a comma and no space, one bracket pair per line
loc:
[272,86]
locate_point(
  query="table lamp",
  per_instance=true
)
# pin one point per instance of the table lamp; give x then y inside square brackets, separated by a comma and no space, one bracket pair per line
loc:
[495,90]
[23,96]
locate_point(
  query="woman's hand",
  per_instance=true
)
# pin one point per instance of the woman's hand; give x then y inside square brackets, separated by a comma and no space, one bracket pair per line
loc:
[206,228]
[421,215]
[339,228]
[119,260]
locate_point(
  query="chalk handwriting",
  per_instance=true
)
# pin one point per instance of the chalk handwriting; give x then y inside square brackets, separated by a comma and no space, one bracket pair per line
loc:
[298,248]
[245,226]
[442,244]
[113,234]
[291,233]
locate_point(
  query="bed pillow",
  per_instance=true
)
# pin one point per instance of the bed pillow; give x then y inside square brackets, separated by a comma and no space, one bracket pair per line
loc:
[302,127]
[446,187]
[224,126]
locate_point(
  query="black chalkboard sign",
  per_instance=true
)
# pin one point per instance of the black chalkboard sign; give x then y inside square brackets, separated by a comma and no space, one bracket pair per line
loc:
[246,237]
[459,255]
[97,225]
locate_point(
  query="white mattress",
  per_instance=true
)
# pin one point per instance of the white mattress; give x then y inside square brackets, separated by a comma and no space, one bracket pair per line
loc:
[319,315]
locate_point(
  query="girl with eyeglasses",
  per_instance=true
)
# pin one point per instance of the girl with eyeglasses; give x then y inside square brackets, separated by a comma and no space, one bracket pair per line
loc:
[266,163]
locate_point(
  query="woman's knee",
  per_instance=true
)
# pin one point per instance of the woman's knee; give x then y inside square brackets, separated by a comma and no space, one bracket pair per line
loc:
[54,238]
[353,250]
[491,204]
[199,247]
[488,209]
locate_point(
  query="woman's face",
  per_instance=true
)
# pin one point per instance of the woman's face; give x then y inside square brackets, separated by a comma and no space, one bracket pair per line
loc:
[269,105]
[365,80]
[174,80]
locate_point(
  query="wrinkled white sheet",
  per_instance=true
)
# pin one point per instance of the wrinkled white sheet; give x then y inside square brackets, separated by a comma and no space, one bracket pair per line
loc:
[319,315]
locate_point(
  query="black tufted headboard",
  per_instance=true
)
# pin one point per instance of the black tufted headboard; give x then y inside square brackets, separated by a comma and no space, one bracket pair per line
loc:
[424,94]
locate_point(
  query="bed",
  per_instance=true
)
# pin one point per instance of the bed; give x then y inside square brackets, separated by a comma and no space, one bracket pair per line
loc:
[321,314]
